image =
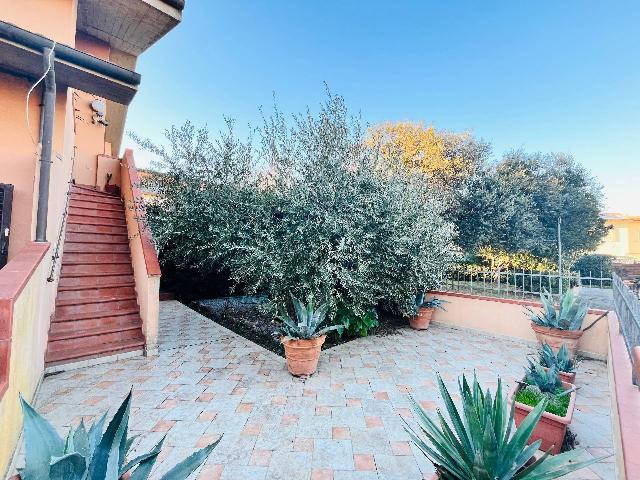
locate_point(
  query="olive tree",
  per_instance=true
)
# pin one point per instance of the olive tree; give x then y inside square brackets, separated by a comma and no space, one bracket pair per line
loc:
[312,209]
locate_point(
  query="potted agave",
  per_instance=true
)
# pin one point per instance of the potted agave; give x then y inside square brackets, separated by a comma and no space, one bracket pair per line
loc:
[93,454]
[425,309]
[303,339]
[562,327]
[545,387]
[561,359]
[480,442]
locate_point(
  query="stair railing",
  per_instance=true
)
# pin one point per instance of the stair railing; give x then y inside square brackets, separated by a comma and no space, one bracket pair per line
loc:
[65,214]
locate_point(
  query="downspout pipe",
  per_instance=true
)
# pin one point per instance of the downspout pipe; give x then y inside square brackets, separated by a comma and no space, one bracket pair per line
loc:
[46,141]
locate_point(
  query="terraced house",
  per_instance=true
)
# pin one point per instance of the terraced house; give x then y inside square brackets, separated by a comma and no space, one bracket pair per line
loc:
[79,276]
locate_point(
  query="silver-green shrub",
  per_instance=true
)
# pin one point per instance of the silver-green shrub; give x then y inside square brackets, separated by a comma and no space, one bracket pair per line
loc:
[306,208]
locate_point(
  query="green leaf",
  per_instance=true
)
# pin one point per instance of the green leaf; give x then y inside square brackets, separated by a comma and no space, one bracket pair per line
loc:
[81,440]
[148,459]
[68,467]
[41,442]
[106,459]
[187,466]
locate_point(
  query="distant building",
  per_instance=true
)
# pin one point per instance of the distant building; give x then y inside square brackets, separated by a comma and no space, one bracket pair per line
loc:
[623,239]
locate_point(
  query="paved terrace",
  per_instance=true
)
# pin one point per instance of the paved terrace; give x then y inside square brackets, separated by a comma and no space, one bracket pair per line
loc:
[342,424]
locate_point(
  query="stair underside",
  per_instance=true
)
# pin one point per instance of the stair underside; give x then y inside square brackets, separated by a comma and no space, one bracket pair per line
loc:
[97,313]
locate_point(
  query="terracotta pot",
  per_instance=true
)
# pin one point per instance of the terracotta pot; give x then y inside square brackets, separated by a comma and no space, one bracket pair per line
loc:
[568,377]
[555,338]
[422,320]
[551,428]
[302,355]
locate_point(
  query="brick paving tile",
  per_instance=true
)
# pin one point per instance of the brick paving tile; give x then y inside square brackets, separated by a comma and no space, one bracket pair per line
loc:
[364,462]
[260,458]
[207,381]
[322,474]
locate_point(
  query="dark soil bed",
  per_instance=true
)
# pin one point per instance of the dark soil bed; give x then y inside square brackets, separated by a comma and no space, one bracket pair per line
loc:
[242,316]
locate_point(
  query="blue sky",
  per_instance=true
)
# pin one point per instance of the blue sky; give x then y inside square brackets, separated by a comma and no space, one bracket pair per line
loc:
[539,75]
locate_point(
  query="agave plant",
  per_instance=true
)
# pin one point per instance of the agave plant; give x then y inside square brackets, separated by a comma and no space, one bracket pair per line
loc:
[91,454]
[308,320]
[561,360]
[430,303]
[569,317]
[480,443]
[548,381]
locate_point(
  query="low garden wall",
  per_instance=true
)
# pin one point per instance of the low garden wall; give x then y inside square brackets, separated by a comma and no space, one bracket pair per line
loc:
[507,317]
[24,323]
[146,268]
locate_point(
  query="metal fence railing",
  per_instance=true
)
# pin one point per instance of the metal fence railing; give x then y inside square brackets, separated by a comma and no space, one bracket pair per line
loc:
[595,281]
[509,283]
[627,307]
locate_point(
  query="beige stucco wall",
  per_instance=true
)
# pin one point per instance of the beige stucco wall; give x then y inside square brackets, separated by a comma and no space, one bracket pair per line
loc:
[29,341]
[508,318]
[623,240]
[147,286]
[55,19]
[116,112]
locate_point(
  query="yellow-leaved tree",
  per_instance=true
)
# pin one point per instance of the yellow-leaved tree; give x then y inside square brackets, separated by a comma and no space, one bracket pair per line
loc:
[447,158]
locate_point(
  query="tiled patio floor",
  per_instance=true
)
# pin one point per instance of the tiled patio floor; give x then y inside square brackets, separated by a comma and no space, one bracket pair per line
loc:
[342,424]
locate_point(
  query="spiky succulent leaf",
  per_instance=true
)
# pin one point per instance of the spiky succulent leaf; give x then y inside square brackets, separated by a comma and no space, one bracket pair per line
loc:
[491,450]
[187,466]
[105,463]
[41,443]
[548,381]
[81,440]
[71,466]
[143,464]
[309,319]
[569,317]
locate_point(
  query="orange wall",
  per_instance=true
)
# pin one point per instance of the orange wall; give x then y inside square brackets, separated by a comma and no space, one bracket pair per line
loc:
[89,139]
[18,161]
[17,155]
[508,318]
[55,19]
[92,46]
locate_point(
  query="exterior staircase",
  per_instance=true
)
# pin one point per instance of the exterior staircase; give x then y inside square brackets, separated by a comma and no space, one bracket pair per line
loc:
[97,312]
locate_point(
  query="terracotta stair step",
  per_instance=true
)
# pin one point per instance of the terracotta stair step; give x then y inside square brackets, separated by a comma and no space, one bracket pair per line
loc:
[113,207]
[95,299]
[85,258]
[93,280]
[95,212]
[93,305]
[111,321]
[96,229]
[95,315]
[96,269]
[121,246]
[96,237]
[90,189]
[71,288]
[103,291]
[95,199]
[93,332]
[96,220]
[78,353]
